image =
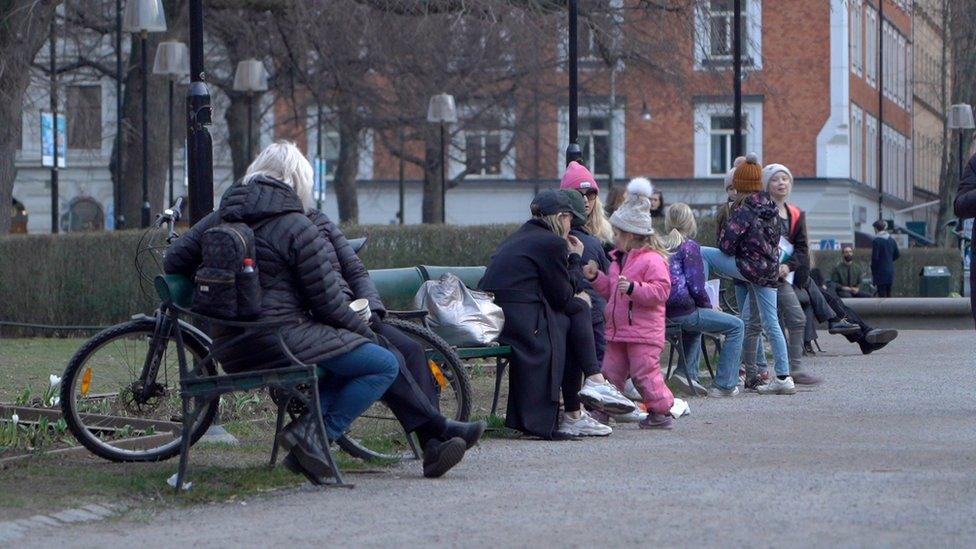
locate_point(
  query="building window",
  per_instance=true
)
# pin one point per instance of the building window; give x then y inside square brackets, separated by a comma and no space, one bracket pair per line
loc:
[857,37]
[871,45]
[871,150]
[714,35]
[714,128]
[483,153]
[721,132]
[594,139]
[857,143]
[84,117]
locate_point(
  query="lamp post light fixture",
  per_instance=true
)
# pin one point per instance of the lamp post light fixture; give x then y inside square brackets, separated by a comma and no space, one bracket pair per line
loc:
[442,110]
[142,17]
[173,62]
[961,119]
[250,78]
[645,113]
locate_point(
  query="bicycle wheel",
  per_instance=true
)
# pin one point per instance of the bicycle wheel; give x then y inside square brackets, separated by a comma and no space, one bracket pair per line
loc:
[105,406]
[377,435]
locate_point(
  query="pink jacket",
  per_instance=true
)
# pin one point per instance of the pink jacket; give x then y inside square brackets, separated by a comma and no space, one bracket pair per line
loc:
[640,316]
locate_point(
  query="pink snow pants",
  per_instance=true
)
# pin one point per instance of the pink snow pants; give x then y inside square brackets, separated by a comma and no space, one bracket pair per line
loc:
[642,363]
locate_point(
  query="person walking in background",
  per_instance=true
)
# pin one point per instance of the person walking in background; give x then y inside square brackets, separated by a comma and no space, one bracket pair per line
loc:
[848,274]
[884,253]
[637,289]
[689,307]
[964,208]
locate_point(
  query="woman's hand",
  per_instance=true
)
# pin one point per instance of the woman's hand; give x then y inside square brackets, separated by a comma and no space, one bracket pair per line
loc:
[784,271]
[623,285]
[575,245]
[591,270]
[586,298]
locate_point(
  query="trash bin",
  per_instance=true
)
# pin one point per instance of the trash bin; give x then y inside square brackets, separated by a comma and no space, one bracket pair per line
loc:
[934,282]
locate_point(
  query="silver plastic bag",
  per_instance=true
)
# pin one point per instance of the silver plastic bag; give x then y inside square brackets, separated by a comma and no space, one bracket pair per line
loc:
[462,316]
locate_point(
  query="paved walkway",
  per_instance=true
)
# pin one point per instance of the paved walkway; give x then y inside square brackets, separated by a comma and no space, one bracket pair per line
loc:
[883,454]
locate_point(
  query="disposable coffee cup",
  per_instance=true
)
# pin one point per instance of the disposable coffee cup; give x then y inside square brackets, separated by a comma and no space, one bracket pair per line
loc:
[361,307]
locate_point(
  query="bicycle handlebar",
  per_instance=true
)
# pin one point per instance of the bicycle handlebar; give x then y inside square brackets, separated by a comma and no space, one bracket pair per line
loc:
[171,214]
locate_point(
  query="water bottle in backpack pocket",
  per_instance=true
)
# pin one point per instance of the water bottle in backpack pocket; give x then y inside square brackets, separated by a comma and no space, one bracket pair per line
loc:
[227,284]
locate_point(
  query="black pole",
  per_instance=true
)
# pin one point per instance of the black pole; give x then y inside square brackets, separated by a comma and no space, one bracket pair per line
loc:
[402,213]
[52,54]
[962,162]
[250,124]
[119,190]
[573,151]
[199,115]
[737,144]
[443,175]
[144,62]
[881,110]
[172,185]
[318,156]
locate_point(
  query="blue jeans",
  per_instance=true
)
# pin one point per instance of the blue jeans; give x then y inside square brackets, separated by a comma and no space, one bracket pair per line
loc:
[354,382]
[715,260]
[712,321]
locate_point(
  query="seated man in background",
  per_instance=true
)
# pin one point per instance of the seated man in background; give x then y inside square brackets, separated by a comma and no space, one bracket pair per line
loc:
[847,275]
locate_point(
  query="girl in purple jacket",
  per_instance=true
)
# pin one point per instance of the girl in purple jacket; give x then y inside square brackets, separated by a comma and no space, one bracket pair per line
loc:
[689,306]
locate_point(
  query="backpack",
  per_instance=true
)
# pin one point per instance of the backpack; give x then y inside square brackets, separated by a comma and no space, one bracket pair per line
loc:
[226,283]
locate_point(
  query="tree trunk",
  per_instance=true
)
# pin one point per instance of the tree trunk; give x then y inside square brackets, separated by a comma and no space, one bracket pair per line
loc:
[236,118]
[24,32]
[347,168]
[432,178]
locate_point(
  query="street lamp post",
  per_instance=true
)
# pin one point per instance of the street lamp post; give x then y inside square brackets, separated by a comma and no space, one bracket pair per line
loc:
[142,17]
[961,119]
[119,191]
[199,115]
[173,62]
[737,144]
[250,78]
[573,150]
[442,110]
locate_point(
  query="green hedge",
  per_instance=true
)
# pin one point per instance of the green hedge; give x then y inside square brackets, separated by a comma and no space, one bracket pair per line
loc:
[91,279]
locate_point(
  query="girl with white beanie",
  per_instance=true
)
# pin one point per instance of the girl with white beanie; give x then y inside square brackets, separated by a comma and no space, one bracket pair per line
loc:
[636,287]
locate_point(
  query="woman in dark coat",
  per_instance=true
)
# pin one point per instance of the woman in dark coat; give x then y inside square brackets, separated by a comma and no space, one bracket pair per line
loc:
[965,207]
[529,274]
[299,284]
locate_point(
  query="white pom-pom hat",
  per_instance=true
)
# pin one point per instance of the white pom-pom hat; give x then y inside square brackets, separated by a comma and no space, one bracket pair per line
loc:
[641,186]
[634,215]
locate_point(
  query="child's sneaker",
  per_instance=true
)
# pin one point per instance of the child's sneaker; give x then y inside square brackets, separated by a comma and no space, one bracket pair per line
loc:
[657,421]
[604,396]
[602,417]
[636,416]
[777,386]
[583,426]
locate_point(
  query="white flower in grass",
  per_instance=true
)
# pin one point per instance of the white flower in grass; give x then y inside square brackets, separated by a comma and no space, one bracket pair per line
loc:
[55,380]
[16,419]
[55,400]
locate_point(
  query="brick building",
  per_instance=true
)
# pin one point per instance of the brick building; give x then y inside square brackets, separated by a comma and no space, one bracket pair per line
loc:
[811,98]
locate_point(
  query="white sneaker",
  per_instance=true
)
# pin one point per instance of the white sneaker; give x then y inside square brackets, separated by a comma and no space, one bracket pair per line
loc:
[631,392]
[679,408]
[680,382]
[636,416]
[584,426]
[777,386]
[605,397]
[717,392]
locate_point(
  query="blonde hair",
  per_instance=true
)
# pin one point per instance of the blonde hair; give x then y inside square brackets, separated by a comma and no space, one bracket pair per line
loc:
[680,223]
[552,222]
[597,223]
[652,242]
[283,161]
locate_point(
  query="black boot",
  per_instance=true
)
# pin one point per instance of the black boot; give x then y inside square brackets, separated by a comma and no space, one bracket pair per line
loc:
[470,431]
[302,440]
[291,463]
[808,349]
[440,457]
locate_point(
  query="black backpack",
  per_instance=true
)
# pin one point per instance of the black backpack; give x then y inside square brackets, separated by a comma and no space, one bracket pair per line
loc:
[227,284]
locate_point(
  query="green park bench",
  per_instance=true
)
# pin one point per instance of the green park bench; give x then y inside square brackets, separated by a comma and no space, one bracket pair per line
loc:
[399,286]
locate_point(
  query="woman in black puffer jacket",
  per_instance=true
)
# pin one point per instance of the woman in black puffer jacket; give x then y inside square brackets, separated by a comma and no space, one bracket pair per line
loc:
[298,283]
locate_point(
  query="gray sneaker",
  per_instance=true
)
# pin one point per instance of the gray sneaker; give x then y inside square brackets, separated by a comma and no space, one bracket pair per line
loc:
[804,377]
[777,386]
[717,392]
[680,382]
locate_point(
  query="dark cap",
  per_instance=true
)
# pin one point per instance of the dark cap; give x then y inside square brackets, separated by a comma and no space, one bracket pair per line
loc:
[578,203]
[550,202]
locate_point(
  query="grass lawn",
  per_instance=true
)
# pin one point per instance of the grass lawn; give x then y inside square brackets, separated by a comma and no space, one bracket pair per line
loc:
[29,363]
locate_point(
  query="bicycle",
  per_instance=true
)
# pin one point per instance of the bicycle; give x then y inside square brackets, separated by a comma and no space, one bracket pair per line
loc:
[120,392]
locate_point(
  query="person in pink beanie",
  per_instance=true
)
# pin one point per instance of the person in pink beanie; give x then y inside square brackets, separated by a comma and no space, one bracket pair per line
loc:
[579,178]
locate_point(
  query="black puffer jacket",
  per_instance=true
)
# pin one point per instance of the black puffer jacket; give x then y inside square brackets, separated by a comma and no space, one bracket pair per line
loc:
[298,281]
[354,278]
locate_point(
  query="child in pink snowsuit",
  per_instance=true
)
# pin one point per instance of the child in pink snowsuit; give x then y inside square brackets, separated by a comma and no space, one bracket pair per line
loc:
[637,288]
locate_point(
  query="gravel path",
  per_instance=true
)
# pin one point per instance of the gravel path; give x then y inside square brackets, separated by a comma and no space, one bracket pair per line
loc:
[883,454]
